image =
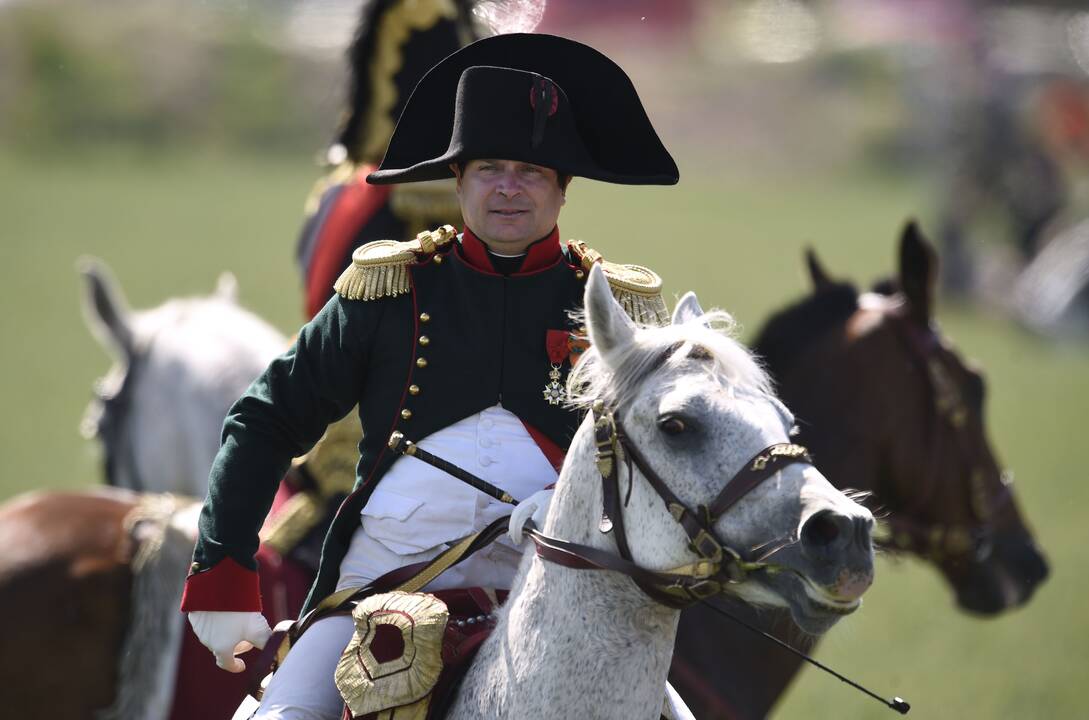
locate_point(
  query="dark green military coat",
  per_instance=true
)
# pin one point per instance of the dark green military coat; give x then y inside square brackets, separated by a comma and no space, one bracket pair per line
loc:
[462,338]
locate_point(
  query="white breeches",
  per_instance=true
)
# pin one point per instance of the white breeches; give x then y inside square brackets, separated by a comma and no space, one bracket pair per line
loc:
[303,688]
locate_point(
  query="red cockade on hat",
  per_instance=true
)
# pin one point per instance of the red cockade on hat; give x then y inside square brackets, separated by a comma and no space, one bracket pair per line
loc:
[543,87]
[544,98]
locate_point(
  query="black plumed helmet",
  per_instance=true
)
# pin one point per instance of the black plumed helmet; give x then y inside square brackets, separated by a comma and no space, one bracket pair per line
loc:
[530,97]
[396,42]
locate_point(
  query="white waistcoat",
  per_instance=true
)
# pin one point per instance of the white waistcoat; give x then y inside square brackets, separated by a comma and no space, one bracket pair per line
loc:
[417,510]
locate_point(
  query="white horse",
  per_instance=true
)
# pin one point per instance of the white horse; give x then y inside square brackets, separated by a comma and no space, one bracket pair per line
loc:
[178,369]
[159,413]
[576,643]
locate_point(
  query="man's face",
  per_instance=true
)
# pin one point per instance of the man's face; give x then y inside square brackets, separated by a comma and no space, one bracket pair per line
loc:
[509,204]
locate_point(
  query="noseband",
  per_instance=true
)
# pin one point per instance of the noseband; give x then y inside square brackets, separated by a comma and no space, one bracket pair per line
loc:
[719,565]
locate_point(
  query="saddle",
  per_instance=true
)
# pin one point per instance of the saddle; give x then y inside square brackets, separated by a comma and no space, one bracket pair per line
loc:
[410,650]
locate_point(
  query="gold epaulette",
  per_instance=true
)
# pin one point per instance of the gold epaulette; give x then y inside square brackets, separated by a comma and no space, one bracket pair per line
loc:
[426,204]
[380,269]
[340,175]
[636,288]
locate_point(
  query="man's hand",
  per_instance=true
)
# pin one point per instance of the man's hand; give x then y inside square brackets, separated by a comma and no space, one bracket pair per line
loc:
[228,634]
[534,507]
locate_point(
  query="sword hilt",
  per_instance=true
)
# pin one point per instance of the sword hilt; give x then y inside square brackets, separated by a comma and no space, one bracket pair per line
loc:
[402,446]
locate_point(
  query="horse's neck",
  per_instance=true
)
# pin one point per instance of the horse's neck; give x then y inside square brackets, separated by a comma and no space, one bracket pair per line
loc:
[202,355]
[573,643]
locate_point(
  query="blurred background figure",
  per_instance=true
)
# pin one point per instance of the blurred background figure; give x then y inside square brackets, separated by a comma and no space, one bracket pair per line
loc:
[396,42]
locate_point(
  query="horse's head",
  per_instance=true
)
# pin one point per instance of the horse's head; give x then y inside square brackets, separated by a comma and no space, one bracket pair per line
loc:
[696,413]
[177,369]
[889,407]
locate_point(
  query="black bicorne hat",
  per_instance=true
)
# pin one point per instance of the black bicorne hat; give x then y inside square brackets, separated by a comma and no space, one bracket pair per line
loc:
[531,97]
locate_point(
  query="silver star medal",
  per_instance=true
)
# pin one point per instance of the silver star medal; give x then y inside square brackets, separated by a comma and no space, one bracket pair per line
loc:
[553,391]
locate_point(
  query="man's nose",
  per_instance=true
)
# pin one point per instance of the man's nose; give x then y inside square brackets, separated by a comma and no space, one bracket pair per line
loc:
[508,185]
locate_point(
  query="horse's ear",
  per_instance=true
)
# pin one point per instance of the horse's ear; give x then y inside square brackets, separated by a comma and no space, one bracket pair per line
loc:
[918,272]
[817,273]
[104,309]
[687,309]
[607,323]
[227,287]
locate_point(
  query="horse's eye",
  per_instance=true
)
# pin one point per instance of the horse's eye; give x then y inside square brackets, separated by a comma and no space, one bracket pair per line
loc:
[671,425]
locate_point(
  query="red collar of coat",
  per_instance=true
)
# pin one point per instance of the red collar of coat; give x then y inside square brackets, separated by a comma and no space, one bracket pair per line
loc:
[540,255]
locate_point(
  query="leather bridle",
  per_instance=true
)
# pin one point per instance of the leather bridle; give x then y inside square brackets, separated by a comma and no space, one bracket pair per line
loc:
[949,415]
[107,420]
[718,566]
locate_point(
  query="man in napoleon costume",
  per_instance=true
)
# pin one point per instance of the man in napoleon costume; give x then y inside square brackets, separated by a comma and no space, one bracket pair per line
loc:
[459,341]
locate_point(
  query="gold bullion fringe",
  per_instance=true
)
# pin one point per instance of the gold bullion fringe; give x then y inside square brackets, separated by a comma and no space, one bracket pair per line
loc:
[644,309]
[373,282]
[380,269]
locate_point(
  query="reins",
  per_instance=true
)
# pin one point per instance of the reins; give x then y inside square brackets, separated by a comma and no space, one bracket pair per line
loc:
[718,564]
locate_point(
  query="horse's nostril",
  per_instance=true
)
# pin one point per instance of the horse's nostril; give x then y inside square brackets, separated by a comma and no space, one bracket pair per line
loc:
[821,529]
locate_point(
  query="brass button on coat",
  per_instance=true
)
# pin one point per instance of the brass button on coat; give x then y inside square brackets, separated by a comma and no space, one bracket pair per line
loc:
[406,414]
[424,317]
[424,340]
[421,362]
[413,389]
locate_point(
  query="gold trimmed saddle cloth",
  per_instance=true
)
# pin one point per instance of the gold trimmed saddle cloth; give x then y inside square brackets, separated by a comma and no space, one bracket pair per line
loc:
[410,651]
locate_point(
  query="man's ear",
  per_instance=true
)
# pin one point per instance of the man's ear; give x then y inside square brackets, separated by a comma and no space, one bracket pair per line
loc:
[454,168]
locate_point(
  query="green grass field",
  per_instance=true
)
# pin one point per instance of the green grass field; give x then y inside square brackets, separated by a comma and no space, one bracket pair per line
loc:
[169,226]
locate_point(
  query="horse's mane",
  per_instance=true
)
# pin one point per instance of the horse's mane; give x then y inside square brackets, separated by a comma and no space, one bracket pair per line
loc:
[789,331]
[593,379]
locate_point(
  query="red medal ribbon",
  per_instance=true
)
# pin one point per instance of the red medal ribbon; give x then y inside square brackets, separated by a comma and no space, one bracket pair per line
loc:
[556,343]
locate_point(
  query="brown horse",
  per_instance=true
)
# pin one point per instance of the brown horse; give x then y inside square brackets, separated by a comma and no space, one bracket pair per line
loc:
[90,582]
[886,406]
[65,594]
